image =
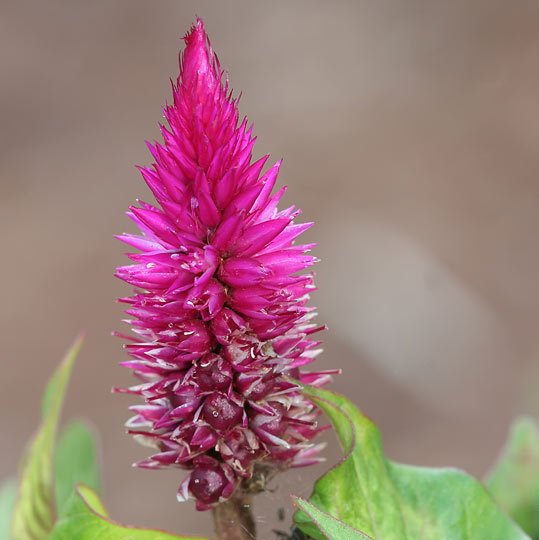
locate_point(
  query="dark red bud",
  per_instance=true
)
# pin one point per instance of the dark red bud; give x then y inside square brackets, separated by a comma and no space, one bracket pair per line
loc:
[221,413]
[213,373]
[207,483]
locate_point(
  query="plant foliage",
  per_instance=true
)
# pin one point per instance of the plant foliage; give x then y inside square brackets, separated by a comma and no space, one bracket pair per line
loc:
[386,500]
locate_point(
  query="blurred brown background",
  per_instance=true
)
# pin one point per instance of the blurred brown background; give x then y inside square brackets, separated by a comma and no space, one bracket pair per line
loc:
[410,135]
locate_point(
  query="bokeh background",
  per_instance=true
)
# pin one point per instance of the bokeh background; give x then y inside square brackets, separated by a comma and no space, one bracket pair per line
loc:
[410,134]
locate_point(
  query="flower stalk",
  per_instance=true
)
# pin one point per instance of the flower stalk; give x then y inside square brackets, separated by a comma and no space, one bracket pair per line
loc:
[233,519]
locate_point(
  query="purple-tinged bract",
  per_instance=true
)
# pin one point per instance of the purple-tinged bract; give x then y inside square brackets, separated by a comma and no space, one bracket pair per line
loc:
[220,309]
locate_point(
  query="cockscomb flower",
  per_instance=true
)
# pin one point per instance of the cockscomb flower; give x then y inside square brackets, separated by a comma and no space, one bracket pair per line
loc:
[220,307]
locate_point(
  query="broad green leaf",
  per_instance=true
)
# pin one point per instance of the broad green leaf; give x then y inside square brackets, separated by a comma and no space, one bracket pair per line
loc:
[514,482]
[34,514]
[331,527]
[389,501]
[8,494]
[86,520]
[75,461]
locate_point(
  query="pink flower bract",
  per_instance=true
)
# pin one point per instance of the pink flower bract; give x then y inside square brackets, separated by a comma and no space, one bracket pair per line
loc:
[220,309]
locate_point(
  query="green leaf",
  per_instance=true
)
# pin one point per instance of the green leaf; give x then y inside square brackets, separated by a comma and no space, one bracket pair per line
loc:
[33,516]
[387,500]
[86,519]
[75,461]
[8,494]
[328,525]
[514,482]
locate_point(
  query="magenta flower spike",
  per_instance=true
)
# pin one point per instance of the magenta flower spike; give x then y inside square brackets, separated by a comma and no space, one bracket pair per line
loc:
[220,309]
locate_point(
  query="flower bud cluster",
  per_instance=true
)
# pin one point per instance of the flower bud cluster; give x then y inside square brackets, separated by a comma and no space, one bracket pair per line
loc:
[220,309]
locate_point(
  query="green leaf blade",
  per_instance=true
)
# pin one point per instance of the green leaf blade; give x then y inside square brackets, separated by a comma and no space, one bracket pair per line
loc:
[386,500]
[328,525]
[85,519]
[8,496]
[514,482]
[76,461]
[34,512]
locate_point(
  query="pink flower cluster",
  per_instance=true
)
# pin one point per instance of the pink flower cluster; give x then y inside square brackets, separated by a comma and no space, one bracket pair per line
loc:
[220,311]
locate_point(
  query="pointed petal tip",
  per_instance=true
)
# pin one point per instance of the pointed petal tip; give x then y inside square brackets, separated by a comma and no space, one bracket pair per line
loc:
[195,34]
